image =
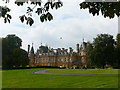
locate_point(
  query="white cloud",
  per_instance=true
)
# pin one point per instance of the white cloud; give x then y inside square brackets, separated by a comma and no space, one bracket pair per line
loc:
[70,23]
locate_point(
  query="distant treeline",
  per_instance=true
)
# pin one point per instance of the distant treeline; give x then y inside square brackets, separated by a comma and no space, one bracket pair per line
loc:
[103,52]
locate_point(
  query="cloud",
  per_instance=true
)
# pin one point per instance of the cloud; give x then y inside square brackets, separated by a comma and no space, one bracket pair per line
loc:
[70,23]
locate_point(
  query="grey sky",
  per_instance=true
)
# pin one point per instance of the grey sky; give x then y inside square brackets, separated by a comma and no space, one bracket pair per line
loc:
[70,22]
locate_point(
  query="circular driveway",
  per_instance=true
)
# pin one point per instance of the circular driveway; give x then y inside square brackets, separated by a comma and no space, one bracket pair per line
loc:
[44,72]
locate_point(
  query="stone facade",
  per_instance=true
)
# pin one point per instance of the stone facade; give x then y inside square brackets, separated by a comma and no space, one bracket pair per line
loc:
[60,57]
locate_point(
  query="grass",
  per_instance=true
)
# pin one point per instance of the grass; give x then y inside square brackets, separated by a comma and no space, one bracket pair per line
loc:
[84,71]
[27,79]
[0,79]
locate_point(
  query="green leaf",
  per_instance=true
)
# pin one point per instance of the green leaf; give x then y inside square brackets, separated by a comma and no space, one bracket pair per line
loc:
[29,9]
[9,16]
[59,4]
[4,12]
[42,18]
[22,18]
[39,3]
[19,3]
[27,22]
[39,11]
[56,5]
[25,17]
[49,16]
[47,6]
[52,5]
[31,21]
[5,20]
[8,20]
[83,5]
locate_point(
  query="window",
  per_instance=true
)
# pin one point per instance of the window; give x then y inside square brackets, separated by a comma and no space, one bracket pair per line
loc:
[70,60]
[82,60]
[62,60]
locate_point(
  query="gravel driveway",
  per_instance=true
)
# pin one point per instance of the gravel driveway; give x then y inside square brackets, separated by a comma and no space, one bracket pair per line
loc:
[44,72]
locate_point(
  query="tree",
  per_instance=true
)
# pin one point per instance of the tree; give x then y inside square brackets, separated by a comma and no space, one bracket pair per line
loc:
[12,55]
[118,41]
[108,9]
[8,44]
[0,52]
[43,10]
[90,55]
[117,49]
[20,57]
[103,50]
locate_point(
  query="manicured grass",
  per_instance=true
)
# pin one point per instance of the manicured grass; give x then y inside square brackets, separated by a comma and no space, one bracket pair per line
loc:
[27,79]
[0,79]
[84,71]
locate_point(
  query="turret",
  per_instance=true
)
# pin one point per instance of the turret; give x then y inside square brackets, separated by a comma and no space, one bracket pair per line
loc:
[32,50]
[32,56]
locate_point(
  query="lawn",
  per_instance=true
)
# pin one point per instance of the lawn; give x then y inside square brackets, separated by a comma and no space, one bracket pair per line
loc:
[84,71]
[0,79]
[27,79]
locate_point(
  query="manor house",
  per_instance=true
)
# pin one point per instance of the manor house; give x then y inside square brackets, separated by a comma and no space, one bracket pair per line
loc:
[60,57]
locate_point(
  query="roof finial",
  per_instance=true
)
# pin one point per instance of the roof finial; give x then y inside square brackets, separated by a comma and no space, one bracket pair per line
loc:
[32,44]
[83,39]
[41,43]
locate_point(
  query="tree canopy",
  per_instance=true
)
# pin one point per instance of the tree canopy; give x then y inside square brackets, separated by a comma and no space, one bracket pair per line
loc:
[101,52]
[118,49]
[12,54]
[42,10]
[108,9]
[20,57]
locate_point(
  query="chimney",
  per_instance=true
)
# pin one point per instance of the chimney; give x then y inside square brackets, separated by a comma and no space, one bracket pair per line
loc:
[28,49]
[78,48]
[71,50]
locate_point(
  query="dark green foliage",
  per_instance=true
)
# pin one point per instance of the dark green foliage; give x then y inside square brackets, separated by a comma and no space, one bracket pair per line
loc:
[102,51]
[43,12]
[57,5]
[26,1]
[5,14]
[29,9]
[19,3]
[10,47]
[30,21]
[45,17]
[108,9]
[49,16]
[42,17]
[117,49]
[8,44]
[39,11]
[118,41]
[90,54]
[5,10]
[22,18]
[20,57]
